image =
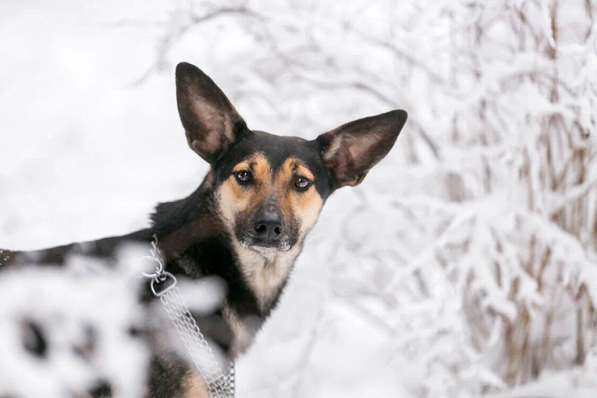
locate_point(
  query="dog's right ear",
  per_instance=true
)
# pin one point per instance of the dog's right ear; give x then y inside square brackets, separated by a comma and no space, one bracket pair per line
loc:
[209,119]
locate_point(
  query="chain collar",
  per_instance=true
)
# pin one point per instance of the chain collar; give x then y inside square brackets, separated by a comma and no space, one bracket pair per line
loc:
[163,284]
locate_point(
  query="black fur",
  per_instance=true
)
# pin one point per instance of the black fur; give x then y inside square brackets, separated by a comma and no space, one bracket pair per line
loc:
[191,234]
[277,149]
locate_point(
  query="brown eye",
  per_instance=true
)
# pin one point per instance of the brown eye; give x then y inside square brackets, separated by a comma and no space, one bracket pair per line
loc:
[301,183]
[243,177]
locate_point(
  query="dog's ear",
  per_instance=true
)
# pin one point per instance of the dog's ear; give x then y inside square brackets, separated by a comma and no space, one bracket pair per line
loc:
[352,149]
[209,119]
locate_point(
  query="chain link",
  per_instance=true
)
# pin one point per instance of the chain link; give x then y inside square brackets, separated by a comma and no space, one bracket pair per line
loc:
[220,383]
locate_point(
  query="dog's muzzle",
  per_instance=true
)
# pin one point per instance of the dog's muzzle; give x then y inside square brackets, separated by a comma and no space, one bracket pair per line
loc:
[266,231]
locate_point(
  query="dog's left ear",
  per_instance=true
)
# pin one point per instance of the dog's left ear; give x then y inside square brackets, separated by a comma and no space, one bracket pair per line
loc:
[352,149]
[209,119]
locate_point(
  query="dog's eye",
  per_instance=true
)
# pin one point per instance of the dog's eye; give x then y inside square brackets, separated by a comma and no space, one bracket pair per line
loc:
[301,183]
[243,177]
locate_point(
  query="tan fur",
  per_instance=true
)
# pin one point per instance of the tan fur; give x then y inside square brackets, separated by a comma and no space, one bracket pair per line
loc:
[194,387]
[242,336]
[234,198]
[258,165]
[266,270]
[210,179]
[304,206]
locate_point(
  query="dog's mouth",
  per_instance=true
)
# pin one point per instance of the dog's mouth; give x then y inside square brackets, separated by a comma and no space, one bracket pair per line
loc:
[268,251]
[265,247]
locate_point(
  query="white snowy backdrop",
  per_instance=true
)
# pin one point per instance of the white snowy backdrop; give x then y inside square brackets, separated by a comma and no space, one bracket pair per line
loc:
[465,265]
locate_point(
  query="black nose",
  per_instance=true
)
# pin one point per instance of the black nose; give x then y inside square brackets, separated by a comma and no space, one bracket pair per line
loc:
[268,225]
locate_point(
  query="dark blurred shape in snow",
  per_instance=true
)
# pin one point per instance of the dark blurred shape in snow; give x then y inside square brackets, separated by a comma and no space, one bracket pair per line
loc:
[464,265]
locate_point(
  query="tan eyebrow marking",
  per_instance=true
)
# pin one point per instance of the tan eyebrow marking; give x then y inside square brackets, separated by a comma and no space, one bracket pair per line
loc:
[244,165]
[258,164]
[304,206]
[234,198]
[304,171]
[290,168]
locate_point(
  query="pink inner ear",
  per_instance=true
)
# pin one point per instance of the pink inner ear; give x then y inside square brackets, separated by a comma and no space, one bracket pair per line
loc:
[350,155]
[362,147]
[217,129]
[349,151]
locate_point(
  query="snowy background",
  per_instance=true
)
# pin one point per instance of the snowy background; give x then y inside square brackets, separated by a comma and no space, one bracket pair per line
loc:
[465,265]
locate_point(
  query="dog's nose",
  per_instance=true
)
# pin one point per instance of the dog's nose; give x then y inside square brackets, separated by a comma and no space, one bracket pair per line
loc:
[268,227]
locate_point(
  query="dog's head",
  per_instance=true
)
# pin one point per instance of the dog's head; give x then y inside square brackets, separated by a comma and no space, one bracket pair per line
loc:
[270,189]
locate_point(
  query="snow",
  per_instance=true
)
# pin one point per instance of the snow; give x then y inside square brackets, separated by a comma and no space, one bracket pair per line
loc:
[463,266]
[68,305]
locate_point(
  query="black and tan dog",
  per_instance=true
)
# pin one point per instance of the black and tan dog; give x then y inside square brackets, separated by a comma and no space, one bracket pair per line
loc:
[247,221]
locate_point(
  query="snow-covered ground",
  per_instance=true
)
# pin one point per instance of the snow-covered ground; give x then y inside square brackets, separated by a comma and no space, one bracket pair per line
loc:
[464,265]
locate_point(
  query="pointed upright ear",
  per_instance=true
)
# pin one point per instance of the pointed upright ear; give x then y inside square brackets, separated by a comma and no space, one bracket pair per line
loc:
[352,149]
[209,119]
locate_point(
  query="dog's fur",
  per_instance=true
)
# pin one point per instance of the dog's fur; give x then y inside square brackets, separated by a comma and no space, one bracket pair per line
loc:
[247,221]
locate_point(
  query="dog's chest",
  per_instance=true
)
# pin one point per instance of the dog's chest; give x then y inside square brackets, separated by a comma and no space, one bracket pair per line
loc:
[265,274]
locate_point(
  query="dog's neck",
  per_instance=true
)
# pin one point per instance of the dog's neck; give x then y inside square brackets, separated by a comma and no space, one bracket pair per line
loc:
[196,242]
[266,272]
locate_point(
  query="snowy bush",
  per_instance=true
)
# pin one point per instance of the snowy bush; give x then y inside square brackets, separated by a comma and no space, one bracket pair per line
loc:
[465,264]
[68,332]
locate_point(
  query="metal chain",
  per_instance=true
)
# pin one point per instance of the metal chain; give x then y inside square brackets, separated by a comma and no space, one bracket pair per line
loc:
[220,383]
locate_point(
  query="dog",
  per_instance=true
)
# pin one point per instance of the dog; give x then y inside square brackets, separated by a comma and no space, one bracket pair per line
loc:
[247,221]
